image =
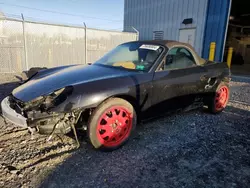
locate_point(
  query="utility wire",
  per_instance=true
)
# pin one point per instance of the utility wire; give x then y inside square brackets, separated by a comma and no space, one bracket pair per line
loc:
[41,20]
[57,12]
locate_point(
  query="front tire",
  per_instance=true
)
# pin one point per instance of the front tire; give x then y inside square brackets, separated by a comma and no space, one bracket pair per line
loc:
[218,101]
[111,124]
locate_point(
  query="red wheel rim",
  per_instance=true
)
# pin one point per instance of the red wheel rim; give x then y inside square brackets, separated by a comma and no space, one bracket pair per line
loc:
[114,126]
[221,98]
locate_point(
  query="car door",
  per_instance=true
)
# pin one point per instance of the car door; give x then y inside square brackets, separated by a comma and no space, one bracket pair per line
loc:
[178,77]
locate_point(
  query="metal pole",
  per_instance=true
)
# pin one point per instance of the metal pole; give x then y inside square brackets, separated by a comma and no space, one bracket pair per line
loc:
[212,51]
[229,56]
[138,33]
[25,45]
[86,50]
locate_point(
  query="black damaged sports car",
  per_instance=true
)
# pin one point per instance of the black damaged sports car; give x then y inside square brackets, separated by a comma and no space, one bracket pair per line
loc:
[134,81]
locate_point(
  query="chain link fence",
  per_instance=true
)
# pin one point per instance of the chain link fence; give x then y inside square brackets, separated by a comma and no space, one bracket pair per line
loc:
[11,46]
[26,44]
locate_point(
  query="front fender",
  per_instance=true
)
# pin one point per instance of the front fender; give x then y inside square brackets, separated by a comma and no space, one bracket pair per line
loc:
[91,98]
[91,94]
[86,101]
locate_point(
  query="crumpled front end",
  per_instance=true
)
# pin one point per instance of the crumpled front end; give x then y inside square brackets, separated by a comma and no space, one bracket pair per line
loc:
[39,113]
[12,112]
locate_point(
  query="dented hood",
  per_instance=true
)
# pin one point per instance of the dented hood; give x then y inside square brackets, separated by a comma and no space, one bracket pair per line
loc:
[50,80]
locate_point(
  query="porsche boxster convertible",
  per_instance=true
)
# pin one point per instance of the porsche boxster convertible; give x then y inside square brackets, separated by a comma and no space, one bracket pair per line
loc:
[134,81]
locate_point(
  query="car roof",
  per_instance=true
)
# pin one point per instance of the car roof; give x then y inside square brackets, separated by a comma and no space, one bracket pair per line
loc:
[167,43]
[171,43]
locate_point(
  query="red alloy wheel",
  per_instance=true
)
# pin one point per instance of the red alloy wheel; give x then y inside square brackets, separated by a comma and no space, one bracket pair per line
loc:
[221,98]
[114,126]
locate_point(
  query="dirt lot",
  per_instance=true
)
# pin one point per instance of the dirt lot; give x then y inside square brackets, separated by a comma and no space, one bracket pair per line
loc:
[192,149]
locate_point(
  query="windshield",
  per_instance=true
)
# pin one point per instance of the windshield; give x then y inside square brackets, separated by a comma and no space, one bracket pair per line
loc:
[133,56]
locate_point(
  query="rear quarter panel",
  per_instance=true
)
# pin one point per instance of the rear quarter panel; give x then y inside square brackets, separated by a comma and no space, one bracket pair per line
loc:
[220,71]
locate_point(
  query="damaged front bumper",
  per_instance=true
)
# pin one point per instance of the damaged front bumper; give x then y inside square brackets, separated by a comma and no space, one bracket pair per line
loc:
[11,115]
[45,123]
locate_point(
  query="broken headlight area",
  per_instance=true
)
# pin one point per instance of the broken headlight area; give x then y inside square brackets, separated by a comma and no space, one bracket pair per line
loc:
[48,102]
[40,115]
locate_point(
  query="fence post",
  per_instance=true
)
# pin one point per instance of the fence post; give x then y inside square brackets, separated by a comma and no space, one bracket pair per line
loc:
[86,50]
[137,32]
[25,45]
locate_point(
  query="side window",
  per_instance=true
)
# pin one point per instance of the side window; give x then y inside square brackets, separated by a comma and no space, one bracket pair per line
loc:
[188,54]
[179,58]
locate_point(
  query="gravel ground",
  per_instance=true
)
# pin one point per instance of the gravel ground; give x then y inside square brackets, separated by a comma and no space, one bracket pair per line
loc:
[192,149]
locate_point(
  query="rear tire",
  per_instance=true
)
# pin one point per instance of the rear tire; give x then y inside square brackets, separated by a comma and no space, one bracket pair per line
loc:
[217,102]
[111,124]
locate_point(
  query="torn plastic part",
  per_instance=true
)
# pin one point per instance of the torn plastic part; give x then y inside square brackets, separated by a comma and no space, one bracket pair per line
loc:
[13,113]
[32,132]
[33,104]
[45,103]
[76,137]
[37,111]
[54,128]
[54,123]
[71,117]
[211,83]
[45,122]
